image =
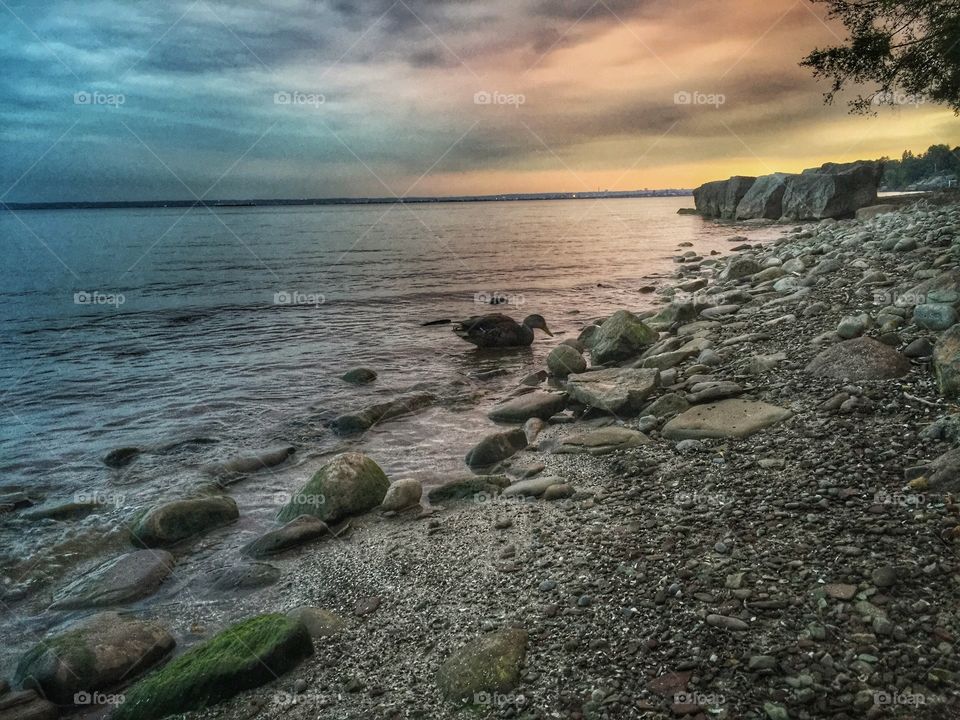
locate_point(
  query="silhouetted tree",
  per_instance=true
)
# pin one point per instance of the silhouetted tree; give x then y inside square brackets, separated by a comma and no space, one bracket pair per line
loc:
[908,50]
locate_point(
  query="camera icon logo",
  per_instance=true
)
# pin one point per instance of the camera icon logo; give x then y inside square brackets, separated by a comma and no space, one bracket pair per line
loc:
[682,97]
[282,98]
[482,97]
[82,98]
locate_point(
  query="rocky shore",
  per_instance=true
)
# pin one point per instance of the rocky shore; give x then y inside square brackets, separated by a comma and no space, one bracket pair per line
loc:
[736,505]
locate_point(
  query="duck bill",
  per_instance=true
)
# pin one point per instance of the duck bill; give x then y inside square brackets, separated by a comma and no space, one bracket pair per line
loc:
[546,330]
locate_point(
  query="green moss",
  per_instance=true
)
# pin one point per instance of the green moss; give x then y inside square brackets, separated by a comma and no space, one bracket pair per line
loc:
[39,665]
[349,484]
[245,656]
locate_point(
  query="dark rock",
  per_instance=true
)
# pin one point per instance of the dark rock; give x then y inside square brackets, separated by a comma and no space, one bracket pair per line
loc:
[496,447]
[536,404]
[862,358]
[720,198]
[121,457]
[181,519]
[370,416]
[491,663]
[118,581]
[350,484]
[359,376]
[245,576]
[295,533]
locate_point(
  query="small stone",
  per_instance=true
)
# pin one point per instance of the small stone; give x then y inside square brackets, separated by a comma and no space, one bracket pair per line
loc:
[547,586]
[840,591]
[366,606]
[727,623]
[884,576]
[761,662]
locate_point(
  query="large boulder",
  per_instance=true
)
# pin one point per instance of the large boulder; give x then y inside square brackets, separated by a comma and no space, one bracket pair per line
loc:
[735,418]
[98,655]
[489,664]
[622,336]
[764,199]
[172,522]
[120,580]
[495,448]
[614,390]
[247,655]
[350,484]
[536,404]
[832,190]
[720,198]
[862,358]
[946,362]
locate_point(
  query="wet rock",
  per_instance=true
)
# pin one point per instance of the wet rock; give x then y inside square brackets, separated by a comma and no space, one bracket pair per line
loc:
[374,414]
[359,376]
[496,447]
[26,705]
[350,484]
[70,510]
[468,486]
[172,522]
[491,663]
[251,463]
[121,457]
[739,266]
[536,404]
[727,623]
[295,533]
[245,576]
[564,360]
[402,494]
[118,581]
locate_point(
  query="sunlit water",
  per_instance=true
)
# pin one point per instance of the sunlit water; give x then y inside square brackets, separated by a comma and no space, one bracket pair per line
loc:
[159,328]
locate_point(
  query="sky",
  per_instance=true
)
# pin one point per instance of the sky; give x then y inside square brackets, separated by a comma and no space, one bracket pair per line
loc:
[185,99]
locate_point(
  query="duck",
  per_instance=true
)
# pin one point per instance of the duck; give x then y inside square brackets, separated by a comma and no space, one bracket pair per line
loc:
[500,331]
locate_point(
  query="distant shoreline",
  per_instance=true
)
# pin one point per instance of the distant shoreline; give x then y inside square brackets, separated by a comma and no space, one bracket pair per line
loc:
[132,204]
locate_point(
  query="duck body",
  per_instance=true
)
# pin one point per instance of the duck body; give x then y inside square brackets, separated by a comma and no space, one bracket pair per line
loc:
[499,331]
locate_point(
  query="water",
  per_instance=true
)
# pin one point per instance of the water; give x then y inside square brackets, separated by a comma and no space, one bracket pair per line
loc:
[200,336]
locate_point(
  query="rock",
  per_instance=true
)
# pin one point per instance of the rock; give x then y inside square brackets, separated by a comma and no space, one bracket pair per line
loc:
[319,622]
[840,591]
[935,316]
[831,191]
[721,198]
[761,662]
[563,360]
[297,532]
[26,705]
[941,476]
[862,358]
[727,418]
[560,491]
[402,494]
[96,656]
[247,655]
[172,522]
[665,361]
[760,364]
[14,501]
[775,712]
[614,390]
[666,406]
[690,446]
[764,199]
[118,581]
[533,487]
[602,441]
[727,623]
[871,211]
[245,576]
[251,463]
[919,348]
[491,663]
[946,362]
[884,576]
[534,378]
[468,486]
[536,404]
[739,266]
[63,510]
[622,336]
[496,447]
[851,326]
[720,311]
[370,416]
[532,429]
[350,484]
[121,457]
[359,376]
[711,391]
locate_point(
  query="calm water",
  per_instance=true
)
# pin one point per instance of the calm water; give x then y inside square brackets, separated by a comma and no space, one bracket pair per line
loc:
[156,328]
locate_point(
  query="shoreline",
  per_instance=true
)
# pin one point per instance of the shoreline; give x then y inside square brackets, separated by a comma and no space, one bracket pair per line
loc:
[619,586]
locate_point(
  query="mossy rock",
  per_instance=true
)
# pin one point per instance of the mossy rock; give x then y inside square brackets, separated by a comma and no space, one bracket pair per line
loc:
[491,663]
[247,655]
[97,656]
[349,484]
[622,336]
[172,522]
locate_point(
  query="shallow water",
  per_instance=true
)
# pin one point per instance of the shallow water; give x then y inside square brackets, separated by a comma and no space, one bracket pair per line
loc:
[202,336]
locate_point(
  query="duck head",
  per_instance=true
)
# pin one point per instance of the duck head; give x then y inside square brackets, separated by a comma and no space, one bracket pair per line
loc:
[537,322]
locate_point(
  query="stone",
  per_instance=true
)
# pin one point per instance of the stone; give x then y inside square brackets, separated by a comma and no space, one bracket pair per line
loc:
[759,364]
[728,418]
[559,491]
[831,191]
[711,391]
[172,522]
[946,362]
[564,360]
[318,621]
[295,533]
[532,487]
[532,429]
[739,266]
[350,484]
[495,448]
[491,664]
[62,510]
[468,486]
[862,358]
[245,576]
[374,414]
[919,348]
[935,316]
[99,654]
[871,211]
[884,576]
[26,705]
[941,476]
[250,463]
[117,581]
[721,198]
[840,591]
[666,406]
[602,441]
[402,494]
[247,655]
[536,404]
[727,623]
[121,457]
[761,662]
[665,361]
[359,376]
[614,390]
[621,337]
[764,199]
[851,326]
